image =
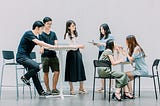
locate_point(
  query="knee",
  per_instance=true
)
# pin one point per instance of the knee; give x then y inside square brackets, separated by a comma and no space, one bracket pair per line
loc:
[56,73]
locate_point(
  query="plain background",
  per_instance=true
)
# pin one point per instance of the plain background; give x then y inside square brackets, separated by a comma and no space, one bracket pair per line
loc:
[138,17]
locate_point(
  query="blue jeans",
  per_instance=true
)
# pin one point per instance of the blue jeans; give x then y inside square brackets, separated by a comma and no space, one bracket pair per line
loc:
[32,71]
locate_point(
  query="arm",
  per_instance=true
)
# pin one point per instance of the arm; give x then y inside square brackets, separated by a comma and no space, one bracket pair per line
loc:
[135,52]
[41,43]
[56,42]
[113,61]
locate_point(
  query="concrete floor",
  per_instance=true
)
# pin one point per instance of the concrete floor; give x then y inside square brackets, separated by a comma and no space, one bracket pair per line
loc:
[9,99]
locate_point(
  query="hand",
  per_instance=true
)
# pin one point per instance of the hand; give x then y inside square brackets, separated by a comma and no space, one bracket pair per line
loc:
[41,51]
[124,52]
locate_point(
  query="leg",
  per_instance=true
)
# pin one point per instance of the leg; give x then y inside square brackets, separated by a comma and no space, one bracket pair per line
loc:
[131,77]
[32,66]
[55,80]
[37,84]
[54,64]
[117,94]
[81,86]
[102,86]
[46,81]
[127,94]
[71,88]
[129,85]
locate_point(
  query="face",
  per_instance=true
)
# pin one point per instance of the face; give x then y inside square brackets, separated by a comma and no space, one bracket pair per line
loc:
[102,30]
[40,30]
[48,25]
[126,42]
[72,27]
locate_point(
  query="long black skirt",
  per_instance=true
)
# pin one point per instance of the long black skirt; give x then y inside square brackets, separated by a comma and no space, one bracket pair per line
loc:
[74,70]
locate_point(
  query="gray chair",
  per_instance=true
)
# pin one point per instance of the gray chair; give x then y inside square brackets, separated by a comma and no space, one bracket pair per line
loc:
[102,63]
[9,60]
[153,76]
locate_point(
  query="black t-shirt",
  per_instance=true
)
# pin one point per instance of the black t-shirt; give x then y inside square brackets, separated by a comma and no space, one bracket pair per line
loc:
[48,38]
[26,45]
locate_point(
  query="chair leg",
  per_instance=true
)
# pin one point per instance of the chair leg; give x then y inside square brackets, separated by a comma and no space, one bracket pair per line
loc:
[158,81]
[134,80]
[23,83]
[109,90]
[155,87]
[17,82]
[93,88]
[1,81]
[30,91]
[34,91]
[139,86]
[104,88]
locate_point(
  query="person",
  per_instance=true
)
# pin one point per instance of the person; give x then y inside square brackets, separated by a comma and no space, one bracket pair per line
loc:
[120,77]
[49,57]
[74,69]
[26,45]
[137,56]
[105,35]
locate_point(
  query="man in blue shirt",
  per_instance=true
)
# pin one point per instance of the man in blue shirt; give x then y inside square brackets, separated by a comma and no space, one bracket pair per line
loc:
[27,43]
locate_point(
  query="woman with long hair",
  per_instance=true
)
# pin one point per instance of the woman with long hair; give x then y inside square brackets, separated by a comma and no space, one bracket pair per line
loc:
[74,70]
[137,56]
[120,77]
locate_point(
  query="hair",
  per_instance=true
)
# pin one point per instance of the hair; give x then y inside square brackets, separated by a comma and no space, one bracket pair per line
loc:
[110,44]
[132,43]
[106,29]
[46,19]
[68,24]
[37,24]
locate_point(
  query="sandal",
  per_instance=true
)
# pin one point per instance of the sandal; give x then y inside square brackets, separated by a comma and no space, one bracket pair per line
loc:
[116,96]
[127,95]
[72,92]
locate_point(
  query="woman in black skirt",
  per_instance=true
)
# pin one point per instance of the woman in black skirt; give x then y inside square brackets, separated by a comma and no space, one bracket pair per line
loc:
[74,70]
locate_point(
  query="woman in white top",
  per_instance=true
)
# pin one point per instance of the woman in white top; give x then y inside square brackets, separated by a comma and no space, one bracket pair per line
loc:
[74,70]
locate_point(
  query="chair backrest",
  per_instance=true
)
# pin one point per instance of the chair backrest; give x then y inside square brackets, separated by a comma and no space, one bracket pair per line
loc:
[155,65]
[102,63]
[8,55]
[33,55]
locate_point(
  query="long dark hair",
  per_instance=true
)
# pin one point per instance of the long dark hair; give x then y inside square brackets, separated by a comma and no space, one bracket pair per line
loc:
[106,29]
[132,43]
[110,44]
[68,24]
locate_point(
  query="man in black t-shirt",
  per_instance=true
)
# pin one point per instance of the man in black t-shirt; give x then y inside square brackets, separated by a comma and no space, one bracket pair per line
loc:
[49,57]
[27,43]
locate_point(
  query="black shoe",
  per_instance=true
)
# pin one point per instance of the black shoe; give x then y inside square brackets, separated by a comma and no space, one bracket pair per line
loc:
[127,97]
[55,92]
[43,94]
[24,80]
[115,97]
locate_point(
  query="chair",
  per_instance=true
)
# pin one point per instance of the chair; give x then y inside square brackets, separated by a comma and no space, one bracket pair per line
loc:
[102,63]
[153,75]
[9,60]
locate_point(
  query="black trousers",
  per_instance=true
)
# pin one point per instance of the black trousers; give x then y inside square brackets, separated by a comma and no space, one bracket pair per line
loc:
[32,71]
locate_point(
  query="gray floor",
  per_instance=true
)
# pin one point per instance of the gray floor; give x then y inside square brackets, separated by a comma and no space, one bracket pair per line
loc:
[9,99]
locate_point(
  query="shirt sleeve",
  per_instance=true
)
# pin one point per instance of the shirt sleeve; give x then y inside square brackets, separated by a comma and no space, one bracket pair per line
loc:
[30,37]
[137,53]
[105,54]
[55,36]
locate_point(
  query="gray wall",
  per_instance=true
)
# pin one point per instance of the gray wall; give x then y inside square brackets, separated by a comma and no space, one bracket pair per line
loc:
[139,17]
